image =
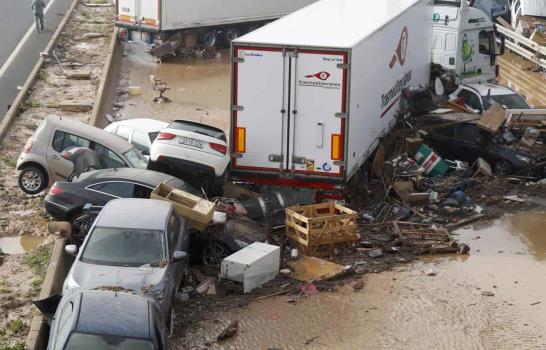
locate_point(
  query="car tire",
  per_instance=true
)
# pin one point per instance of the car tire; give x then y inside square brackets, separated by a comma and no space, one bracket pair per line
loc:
[32,180]
[217,186]
[503,168]
[214,252]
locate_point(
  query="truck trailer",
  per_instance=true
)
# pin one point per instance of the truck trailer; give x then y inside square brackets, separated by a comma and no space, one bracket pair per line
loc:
[314,92]
[202,20]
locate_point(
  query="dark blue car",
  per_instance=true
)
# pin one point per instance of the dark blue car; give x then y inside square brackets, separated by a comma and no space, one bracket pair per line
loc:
[99,319]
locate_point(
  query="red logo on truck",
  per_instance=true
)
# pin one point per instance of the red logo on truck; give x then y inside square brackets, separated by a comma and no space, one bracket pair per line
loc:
[400,53]
[320,75]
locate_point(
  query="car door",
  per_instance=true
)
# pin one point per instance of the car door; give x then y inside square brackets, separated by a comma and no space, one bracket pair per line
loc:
[108,158]
[59,167]
[178,240]
[470,142]
[113,189]
[443,141]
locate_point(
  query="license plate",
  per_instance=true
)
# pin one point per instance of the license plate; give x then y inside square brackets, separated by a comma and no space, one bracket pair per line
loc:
[190,142]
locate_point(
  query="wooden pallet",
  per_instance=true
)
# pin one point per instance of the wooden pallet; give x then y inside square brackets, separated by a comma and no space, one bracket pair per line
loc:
[197,211]
[319,229]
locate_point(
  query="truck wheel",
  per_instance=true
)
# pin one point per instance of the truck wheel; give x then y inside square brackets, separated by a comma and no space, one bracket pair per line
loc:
[32,180]
[209,38]
[230,34]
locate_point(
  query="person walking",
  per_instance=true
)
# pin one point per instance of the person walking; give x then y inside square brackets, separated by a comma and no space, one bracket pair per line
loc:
[38,7]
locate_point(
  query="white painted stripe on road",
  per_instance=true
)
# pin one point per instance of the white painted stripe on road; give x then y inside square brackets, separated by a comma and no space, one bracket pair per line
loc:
[19,46]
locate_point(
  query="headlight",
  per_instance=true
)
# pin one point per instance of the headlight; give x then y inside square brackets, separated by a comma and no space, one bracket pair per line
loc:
[524,159]
[71,283]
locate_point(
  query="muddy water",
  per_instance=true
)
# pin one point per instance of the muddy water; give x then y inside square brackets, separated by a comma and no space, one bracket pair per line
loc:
[199,88]
[492,299]
[19,244]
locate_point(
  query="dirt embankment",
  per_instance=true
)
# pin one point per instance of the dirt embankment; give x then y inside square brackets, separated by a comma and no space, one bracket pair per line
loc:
[82,47]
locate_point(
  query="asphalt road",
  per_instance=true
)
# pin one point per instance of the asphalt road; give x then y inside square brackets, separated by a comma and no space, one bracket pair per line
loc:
[16,20]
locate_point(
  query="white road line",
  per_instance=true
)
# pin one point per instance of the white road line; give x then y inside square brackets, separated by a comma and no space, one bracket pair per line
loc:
[19,46]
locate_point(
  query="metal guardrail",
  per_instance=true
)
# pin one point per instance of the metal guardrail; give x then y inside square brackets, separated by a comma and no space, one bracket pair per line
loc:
[523,46]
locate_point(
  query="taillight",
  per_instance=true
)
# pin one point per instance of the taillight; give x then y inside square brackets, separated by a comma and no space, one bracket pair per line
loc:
[28,145]
[218,147]
[55,190]
[165,136]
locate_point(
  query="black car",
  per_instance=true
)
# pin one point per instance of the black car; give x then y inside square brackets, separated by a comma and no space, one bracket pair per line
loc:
[66,200]
[467,142]
[99,319]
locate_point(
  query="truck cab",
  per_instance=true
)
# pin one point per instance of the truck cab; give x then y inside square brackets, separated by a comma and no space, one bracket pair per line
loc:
[464,42]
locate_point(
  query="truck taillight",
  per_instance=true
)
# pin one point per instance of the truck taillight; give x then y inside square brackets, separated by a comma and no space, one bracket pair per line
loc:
[218,147]
[55,190]
[28,145]
[336,145]
[240,140]
[165,136]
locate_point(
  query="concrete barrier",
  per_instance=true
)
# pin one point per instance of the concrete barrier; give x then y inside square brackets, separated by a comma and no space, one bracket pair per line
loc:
[57,269]
[106,92]
[15,108]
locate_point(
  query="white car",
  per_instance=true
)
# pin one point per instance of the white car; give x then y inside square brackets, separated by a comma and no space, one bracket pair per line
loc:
[195,152]
[140,132]
[476,96]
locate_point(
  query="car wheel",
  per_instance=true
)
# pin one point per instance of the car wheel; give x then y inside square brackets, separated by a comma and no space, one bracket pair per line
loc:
[503,168]
[32,180]
[214,253]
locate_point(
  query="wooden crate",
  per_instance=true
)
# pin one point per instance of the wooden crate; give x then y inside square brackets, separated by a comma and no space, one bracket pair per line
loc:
[319,228]
[197,211]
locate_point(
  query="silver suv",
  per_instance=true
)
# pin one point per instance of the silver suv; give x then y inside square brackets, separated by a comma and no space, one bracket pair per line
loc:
[41,163]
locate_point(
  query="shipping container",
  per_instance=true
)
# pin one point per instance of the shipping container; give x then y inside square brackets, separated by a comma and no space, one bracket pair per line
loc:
[313,92]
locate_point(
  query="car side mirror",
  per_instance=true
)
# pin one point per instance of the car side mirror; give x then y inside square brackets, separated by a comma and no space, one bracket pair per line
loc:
[71,249]
[179,256]
[146,152]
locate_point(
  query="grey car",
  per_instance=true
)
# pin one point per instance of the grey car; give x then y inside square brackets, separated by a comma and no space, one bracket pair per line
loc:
[136,245]
[41,162]
[106,320]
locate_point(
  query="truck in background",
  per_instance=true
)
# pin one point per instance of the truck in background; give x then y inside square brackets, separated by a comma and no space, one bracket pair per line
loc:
[309,106]
[464,42]
[200,22]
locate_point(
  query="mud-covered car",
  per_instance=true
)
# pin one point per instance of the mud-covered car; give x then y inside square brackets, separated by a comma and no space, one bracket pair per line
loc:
[468,142]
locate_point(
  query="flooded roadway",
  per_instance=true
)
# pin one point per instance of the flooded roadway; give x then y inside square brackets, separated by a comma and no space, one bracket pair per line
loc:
[493,298]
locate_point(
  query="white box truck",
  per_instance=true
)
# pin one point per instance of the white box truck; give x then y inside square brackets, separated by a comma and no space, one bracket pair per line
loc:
[207,18]
[313,92]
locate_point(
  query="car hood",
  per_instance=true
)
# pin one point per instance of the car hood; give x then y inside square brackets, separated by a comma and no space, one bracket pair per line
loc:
[91,276]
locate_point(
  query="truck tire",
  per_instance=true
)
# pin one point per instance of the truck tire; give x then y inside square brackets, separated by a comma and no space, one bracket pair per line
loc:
[209,38]
[230,34]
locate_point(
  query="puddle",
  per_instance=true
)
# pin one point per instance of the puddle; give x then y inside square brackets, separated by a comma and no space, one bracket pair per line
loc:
[19,244]
[199,88]
[491,299]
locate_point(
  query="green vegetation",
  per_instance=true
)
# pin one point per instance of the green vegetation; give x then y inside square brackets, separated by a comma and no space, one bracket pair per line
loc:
[33,104]
[42,75]
[9,161]
[16,326]
[38,259]
[36,286]
[18,346]
[4,289]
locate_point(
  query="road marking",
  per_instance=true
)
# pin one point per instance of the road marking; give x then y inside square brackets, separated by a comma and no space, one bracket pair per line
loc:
[19,46]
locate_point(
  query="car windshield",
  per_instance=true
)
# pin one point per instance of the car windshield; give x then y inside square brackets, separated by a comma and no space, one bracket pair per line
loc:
[86,341]
[136,159]
[198,129]
[512,101]
[124,247]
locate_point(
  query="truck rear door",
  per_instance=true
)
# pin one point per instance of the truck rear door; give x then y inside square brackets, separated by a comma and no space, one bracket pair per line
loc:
[127,11]
[288,111]
[149,12]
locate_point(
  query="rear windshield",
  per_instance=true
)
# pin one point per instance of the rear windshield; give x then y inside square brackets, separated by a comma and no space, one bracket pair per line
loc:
[511,101]
[198,129]
[84,341]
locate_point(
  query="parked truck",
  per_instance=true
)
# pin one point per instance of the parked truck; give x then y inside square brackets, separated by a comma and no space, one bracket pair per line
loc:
[314,92]
[464,42]
[200,21]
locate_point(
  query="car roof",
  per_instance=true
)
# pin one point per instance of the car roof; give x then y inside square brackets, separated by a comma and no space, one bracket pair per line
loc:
[114,313]
[145,124]
[143,175]
[496,89]
[105,138]
[135,213]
